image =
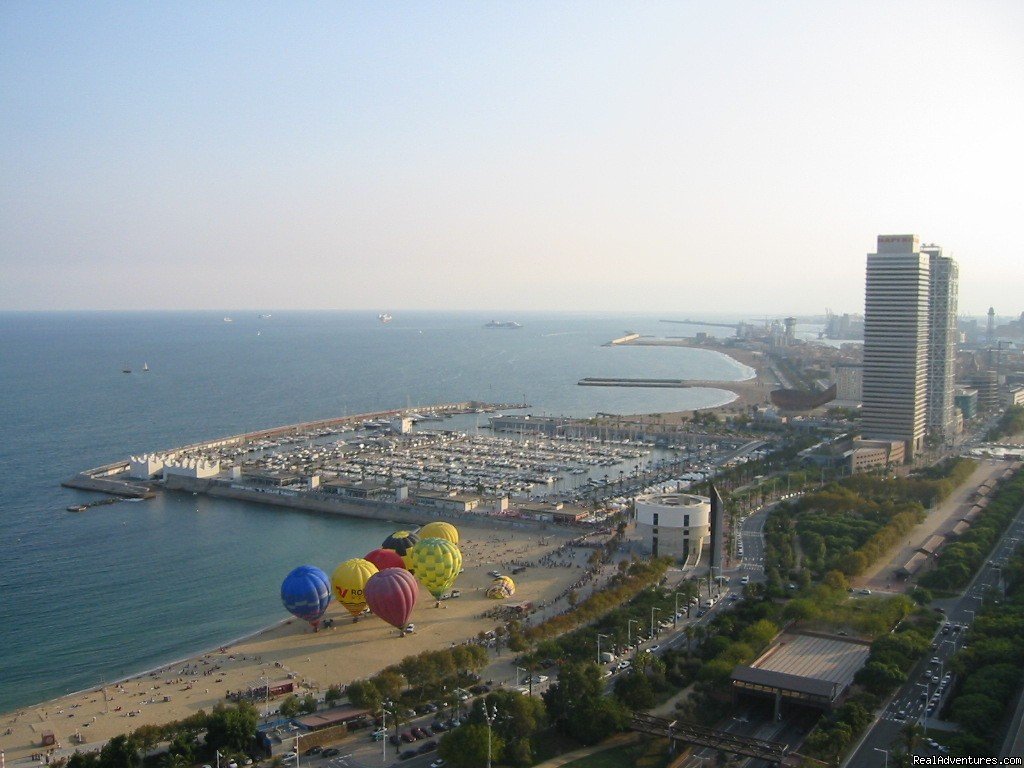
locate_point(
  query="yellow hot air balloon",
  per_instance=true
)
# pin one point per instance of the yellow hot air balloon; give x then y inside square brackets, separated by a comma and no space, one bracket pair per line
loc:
[439,530]
[348,581]
[501,587]
[436,563]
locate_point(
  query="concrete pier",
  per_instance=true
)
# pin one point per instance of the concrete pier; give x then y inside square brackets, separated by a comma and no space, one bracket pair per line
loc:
[86,482]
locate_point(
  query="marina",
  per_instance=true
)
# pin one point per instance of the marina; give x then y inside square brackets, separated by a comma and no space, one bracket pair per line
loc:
[411,465]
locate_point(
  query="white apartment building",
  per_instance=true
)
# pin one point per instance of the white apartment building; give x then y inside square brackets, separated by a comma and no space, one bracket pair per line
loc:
[944,279]
[896,342]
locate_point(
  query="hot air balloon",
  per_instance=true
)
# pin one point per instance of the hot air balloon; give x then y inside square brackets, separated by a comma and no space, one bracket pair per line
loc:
[385,558]
[437,563]
[501,587]
[439,530]
[306,593]
[401,542]
[348,581]
[391,594]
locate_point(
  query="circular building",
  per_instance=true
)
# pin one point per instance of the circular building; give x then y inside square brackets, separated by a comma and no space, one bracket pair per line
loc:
[673,524]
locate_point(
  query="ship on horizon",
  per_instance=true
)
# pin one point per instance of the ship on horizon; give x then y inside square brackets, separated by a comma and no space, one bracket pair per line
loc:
[384,317]
[503,324]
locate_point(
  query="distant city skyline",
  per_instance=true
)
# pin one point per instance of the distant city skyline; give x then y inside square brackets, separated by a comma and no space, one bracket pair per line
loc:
[670,157]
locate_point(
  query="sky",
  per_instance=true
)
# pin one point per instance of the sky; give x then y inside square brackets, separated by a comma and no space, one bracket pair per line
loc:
[673,157]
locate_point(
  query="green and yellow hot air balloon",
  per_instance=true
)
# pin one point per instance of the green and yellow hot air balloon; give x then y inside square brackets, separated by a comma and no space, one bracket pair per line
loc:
[436,563]
[348,581]
[439,530]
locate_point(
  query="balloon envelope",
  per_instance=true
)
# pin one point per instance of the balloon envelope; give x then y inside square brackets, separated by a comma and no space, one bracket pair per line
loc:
[348,581]
[306,593]
[391,594]
[401,542]
[437,563]
[385,558]
[439,530]
[501,587]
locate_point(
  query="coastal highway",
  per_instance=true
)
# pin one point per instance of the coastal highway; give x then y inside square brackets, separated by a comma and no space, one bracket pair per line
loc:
[907,703]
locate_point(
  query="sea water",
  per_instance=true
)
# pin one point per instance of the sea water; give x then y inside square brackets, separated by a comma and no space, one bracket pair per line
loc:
[96,596]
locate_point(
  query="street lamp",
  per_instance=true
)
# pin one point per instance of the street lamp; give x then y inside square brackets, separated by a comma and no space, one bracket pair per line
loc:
[885,752]
[629,631]
[384,712]
[675,616]
[518,669]
[653,610]
[489,716]
[599,636]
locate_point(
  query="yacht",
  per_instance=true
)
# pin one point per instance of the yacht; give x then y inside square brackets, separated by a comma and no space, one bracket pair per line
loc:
[384,317]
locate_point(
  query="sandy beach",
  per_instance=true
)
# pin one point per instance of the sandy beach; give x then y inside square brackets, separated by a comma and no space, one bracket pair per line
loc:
[291,650]
[754,391]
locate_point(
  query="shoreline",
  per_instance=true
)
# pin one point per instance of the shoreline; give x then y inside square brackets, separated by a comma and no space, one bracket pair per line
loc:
[753,390]
[289,649]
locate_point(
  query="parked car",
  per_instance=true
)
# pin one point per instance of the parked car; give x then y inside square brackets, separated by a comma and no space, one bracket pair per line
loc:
[439,763]
[427,746]
[334,751]
[420,733]
[394,739]
[310,751]
[407,754]
[438,727]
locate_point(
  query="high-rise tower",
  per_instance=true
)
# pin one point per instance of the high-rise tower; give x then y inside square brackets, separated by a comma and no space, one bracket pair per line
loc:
[896,342]
[944,281]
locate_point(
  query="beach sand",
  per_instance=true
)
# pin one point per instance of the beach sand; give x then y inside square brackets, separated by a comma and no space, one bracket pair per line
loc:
[336,655]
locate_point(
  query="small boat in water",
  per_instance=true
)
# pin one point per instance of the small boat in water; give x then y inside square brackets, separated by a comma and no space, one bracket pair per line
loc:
[126,369]
[77,508]
[145,367]
[384,317]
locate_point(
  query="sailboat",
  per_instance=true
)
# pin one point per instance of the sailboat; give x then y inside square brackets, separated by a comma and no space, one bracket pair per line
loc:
[126,369]
[145,367]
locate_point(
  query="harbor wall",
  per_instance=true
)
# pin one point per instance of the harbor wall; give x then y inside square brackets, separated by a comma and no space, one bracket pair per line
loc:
[367,510]
[623,339]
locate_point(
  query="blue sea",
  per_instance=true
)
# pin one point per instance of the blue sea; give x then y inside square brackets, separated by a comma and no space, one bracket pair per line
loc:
[93,597]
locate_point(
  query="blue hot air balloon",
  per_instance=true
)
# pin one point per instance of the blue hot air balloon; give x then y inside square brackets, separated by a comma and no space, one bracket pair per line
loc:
[306,593]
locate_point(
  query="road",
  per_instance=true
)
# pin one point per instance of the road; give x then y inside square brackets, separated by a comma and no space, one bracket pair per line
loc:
[907,703]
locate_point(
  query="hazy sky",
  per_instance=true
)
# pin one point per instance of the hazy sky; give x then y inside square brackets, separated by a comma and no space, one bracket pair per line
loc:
[679,157]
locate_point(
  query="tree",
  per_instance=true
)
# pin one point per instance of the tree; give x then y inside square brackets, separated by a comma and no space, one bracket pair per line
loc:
[288,708]
[84,760]
[171,760]
[466,747]
[880,678]
[308,704]
[578,708]
[333,694]
[635,691]
[120,752]
[363,693]
[519,717]
[977,713]
[183,745]
[233,728]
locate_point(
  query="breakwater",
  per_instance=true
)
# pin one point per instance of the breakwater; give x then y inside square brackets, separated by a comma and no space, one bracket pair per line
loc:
[593,381]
